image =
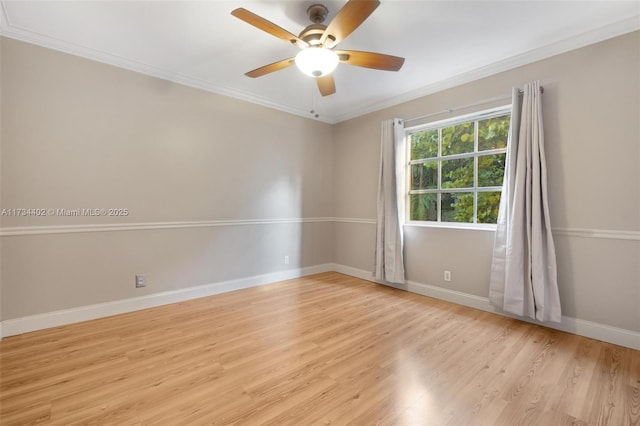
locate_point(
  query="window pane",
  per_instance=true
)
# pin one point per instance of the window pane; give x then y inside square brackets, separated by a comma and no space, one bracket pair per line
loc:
[424,144]
[488,204]
[463,189]
[457,139]
[457,207]
[457,173]
[493,133]
[424,176]
[424,207]
[491,170]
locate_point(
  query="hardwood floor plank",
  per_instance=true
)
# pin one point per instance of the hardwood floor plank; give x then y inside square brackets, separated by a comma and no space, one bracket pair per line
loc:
[573,382]
[603,411]
[324,349]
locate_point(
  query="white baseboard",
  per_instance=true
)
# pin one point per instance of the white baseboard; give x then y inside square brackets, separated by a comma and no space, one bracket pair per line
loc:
[618,336]
[16,326]
[606,333]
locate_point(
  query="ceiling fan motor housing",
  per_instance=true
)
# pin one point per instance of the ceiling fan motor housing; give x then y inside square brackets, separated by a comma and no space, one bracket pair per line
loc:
[312,34]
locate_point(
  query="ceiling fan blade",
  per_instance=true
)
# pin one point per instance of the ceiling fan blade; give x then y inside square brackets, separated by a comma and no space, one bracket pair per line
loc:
[326,85]
[348,19]
[376,61]
[267,26]
[276,66]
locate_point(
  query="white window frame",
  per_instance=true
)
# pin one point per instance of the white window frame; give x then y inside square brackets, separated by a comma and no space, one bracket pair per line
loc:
[439,125]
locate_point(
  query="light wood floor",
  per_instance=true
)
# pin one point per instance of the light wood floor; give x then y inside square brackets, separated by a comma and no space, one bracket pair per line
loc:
[326,349]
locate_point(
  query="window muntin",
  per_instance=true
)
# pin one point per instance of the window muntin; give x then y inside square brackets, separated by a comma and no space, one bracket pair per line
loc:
[456,167]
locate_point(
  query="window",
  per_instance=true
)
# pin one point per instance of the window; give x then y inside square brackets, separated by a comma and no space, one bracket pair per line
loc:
[456,167]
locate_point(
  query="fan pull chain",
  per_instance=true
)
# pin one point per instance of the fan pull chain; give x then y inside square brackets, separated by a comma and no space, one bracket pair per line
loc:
[314,106]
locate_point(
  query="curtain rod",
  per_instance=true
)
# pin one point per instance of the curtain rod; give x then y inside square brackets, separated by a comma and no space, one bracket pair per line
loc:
[451,110]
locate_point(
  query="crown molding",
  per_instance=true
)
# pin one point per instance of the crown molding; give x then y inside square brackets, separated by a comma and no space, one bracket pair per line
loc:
[574,42]
[7,29]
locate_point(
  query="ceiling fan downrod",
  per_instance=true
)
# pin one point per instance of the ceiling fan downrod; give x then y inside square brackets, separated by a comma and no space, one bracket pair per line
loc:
[317,13]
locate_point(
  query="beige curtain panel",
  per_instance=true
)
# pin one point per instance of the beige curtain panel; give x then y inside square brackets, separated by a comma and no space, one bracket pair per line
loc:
[523,270]
[389,260]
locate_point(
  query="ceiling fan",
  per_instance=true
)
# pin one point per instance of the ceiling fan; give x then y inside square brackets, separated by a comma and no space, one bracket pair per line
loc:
[318,57]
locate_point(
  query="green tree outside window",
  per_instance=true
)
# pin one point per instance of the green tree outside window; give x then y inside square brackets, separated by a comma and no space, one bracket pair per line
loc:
[474,173]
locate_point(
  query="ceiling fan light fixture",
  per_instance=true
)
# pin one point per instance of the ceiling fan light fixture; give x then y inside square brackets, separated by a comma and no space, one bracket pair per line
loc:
[317,61]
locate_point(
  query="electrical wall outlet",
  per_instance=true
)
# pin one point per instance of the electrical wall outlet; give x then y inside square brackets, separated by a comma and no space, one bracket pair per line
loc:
[286,260]
[447,275]
[141,280]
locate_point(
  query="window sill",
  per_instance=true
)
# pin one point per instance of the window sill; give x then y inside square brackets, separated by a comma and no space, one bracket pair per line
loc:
[451,225]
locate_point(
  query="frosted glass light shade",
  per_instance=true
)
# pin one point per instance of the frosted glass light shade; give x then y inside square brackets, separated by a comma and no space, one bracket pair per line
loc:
[317,61]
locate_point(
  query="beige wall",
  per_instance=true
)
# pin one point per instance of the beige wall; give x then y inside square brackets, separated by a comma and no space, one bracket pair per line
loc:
[591,116]
[1,205]
[81,134]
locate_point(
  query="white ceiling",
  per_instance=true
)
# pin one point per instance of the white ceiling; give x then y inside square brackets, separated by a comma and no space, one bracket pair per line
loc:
[200,44]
